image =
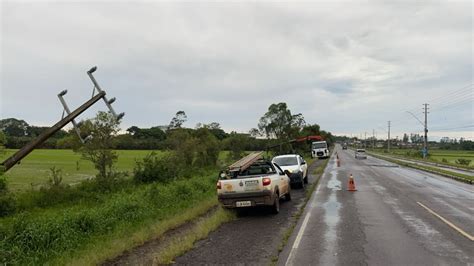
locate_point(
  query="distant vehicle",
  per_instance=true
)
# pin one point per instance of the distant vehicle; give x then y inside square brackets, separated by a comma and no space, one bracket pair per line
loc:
[360,154]
[252,182]
[295,167]
[319,149]
[344,146]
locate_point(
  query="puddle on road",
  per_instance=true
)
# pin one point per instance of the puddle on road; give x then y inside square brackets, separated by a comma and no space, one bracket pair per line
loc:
[331,218]
[333,183]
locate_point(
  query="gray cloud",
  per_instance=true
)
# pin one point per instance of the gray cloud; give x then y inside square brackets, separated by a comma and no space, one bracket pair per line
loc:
[347,66]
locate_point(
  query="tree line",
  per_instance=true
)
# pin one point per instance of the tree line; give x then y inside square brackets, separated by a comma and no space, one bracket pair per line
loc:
[276,125]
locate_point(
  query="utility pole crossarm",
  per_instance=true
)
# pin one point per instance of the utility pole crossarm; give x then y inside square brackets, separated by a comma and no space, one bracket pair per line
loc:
[11,161]
[24,151]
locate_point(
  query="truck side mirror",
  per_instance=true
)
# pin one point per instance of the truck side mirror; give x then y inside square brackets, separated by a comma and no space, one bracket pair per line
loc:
[303,163]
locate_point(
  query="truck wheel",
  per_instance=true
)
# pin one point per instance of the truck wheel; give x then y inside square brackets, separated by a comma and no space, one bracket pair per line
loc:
[276,205]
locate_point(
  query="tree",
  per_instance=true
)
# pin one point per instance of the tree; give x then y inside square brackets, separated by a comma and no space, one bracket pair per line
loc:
[178,120]
[310,130]
[215,129]
[254,132]
[207,148]
[3,141]
[99,147]
[133,130]
[405,138]
[235,143]
[13,127]
[280,123]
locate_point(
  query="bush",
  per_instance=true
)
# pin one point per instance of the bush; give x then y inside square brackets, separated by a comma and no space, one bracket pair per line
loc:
[3,185]
[153,168]
[462,161]
[56,177]
[444,160]
[7,204]
[416,154]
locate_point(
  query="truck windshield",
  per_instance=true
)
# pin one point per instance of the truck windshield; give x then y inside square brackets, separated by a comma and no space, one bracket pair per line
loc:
[322,145]
[285,161]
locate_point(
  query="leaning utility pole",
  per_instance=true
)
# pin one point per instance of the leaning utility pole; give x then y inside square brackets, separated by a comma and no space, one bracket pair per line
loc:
[388,141]
[425,143]
[25,150]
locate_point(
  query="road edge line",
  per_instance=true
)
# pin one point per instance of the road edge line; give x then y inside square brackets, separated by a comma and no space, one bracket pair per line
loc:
[459,230]
[298,239]
[301,211]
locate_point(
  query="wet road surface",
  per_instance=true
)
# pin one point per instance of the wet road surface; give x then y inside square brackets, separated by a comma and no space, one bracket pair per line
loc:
[386,221]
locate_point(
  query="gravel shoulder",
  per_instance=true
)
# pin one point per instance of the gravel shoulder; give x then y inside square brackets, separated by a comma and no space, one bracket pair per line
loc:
[253,238]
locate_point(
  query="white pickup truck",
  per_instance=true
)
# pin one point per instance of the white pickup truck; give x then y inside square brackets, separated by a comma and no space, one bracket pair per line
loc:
[260,183]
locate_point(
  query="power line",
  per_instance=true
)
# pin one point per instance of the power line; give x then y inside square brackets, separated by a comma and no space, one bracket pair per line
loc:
[461,90]
[457,105]
[460,127]
[456,100]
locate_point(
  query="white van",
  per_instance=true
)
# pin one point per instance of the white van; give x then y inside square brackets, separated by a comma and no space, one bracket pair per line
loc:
[319,149]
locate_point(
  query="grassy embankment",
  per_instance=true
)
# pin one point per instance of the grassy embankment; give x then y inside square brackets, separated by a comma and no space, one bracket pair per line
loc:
[446,157]
[84,224]
[435,170]
[104,225]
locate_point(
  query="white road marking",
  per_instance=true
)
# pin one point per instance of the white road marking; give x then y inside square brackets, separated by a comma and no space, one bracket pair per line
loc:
[289,261]
[462,232]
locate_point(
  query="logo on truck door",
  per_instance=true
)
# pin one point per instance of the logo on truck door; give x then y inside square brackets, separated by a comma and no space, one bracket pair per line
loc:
[228,187]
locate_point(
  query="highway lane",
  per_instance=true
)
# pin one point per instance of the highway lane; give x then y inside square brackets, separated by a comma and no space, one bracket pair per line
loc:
[384,222]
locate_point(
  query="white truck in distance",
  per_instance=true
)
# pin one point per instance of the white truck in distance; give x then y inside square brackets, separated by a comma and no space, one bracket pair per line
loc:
[319,149]
[252,182]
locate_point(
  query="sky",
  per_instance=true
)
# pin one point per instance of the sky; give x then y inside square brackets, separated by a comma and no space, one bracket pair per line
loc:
[349,66]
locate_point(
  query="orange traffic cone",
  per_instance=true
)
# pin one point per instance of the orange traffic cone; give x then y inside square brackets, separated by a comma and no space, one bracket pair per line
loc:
[351,185]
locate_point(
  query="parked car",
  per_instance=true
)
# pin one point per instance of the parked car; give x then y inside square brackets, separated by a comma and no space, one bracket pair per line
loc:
[295,167]
[260,183]
[360,154]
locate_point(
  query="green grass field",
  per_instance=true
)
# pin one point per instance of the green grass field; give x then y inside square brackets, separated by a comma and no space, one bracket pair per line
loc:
[34,170]
[450,156]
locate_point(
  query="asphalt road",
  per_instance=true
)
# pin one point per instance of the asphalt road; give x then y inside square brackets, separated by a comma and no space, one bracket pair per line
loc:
[385,221]
[252,239]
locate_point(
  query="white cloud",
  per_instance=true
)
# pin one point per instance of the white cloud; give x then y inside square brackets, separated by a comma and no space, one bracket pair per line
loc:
[347,66]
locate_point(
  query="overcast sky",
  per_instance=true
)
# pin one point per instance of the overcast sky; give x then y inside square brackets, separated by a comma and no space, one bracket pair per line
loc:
[348,66]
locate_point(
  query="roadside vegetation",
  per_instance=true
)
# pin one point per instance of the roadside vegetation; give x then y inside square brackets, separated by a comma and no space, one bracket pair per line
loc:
[455,158]
[90,202]
[451,174]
